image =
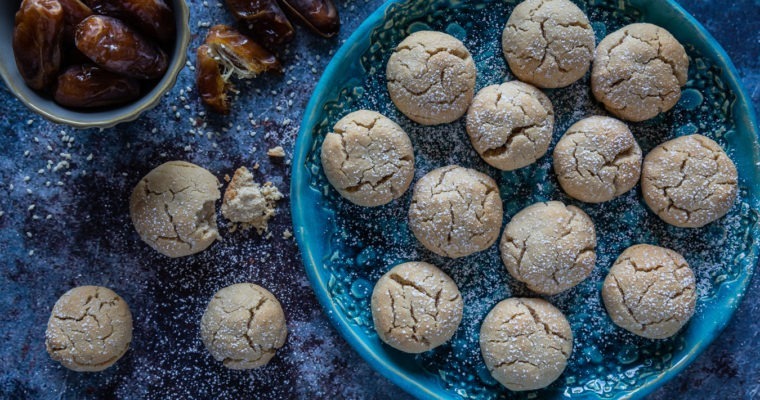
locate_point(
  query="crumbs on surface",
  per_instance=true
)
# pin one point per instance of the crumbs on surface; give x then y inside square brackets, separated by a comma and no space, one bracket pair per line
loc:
[247,204]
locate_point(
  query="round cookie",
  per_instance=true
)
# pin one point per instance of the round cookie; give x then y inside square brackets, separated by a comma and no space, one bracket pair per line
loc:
[638,71]
[416,307]
[548,43]
[650,291]
[455,211]
[510,125]
[597,159]
[689,181]
[368,158]
[243,326]
[525,343]
[89,329]
[173,208]
[431,77]
[549,246]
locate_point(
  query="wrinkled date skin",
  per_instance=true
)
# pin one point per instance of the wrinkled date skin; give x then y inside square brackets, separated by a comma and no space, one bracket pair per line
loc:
[74,11]
[211,85]
[239,53]
[116,47]
[37,41]
[264,19]
[154,18]
[320,16]
[88,86]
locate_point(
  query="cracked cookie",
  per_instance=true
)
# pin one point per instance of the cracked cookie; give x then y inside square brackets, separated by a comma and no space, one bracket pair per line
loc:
[455,211]
[638,71]
[416,307]
[689,181]
[249,204]
[510,125]
[243,326]
[431,77]
[89,329]
[173,208]
[549,246]
[650,291]
[548,43]
[368,159]
[525,343]
[597,159]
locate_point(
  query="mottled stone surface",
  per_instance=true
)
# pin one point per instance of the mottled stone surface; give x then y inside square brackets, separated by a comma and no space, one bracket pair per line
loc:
[88,239]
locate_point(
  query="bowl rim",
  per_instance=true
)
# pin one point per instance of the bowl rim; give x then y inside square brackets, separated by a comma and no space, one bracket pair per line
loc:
[145,103]
[742,108]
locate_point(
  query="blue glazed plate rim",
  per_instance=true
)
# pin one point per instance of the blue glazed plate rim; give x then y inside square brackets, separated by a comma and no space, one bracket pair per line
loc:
[301,205]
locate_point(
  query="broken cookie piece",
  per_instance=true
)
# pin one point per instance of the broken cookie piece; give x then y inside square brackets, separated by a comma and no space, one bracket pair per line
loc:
[249,204]
[416,307]
[90,328]
[173,208]
[243,326]
[227,52]
[276,152]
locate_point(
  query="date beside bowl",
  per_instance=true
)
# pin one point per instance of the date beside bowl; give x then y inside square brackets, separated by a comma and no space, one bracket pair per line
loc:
[72,78]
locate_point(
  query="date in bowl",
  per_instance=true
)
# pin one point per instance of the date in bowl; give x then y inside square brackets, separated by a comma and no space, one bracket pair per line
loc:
[100,117]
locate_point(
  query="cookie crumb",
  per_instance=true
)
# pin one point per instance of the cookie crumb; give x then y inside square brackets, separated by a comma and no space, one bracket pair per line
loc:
[249,204]
[285,235]
[276,152]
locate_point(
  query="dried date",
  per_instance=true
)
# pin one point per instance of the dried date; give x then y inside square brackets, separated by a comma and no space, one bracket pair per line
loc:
[116,47]
[74,11]
[89,86]
[211,84]
[37,35]
[227,52]
[239,54]
[154,18]
[263,18]
[320,16]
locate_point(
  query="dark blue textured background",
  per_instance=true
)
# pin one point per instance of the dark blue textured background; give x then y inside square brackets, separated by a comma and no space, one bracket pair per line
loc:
[88,239]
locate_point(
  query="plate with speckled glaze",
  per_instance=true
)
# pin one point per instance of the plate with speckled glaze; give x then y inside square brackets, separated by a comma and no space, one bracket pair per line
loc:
[346,248]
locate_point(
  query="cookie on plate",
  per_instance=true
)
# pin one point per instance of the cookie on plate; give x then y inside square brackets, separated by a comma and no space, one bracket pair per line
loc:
[510,125]
[455,211]
[548,43]
[638,71]
[416,307]
[597,159]
[368,158]
[689,181]
[525,343]
[650,291]
[431,77]
[549,246]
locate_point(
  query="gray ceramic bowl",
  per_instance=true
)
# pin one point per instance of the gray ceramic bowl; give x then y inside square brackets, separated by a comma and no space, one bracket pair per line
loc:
[47,108]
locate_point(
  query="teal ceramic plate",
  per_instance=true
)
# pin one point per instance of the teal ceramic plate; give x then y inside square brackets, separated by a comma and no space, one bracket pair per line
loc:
[346,248]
